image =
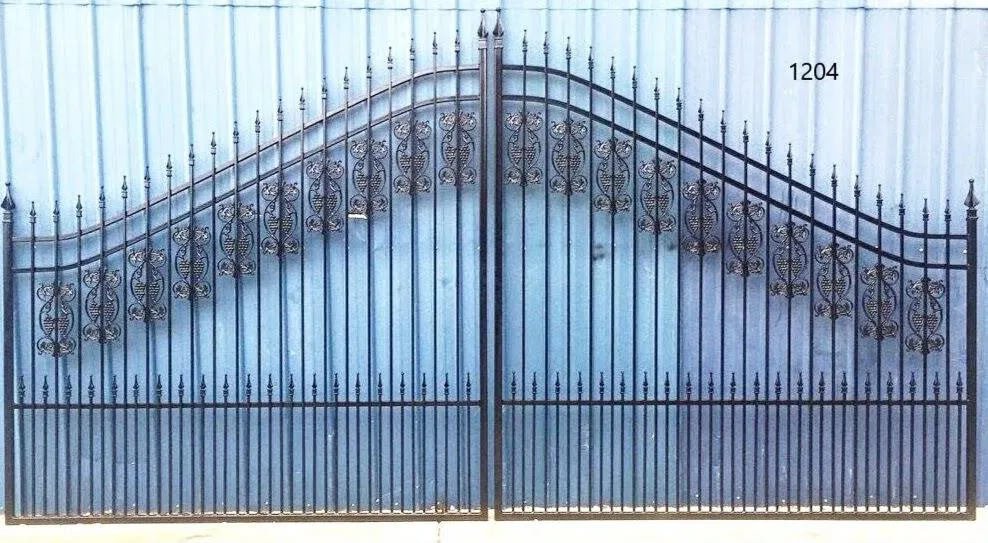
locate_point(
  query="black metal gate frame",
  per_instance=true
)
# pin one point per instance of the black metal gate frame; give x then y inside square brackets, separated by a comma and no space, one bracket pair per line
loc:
[594,164]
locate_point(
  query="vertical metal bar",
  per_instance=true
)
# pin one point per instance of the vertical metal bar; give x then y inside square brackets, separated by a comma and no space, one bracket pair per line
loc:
[699,332]
[498,34]
[902,345]
[7,226]
[301,265]
[168,345]
[214,238]
[58,382]
[613,212]
[346,303]
[459,274]
[590,289]
[370,306]
[257,289]
[971,351]
[435,296]
[192,331]
[482,468]
[280,254]
[413,278]
[32,219]
[102,347]
[767,346]
[545,279]
[237,314]
[854,281]
[634,302]
[723,315]
[679,307]
[744,326]
[833,337]
[926,357]
[655,323]
[327,295]
[523,129]
[948,372]
[391,280]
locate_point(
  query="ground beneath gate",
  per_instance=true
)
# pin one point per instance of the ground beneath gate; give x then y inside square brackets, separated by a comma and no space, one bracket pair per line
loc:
[605,531]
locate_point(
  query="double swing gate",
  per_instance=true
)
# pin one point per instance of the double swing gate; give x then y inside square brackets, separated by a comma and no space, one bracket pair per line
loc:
[489,286]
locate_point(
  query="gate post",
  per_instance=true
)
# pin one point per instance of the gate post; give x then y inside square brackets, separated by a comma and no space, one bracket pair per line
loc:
[971,202]
[8,350]
[498,259]
[482,219]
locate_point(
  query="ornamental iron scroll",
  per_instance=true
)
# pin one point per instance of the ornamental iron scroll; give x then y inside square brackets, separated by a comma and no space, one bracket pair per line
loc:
[612,175]
[191,262]
[412,157]
[656,196]
[878,301]
[524,148]
[147,284]
[368,177]
[746,238]
[326,203]
[701,217]
[56,318]
[457,147]
[102,304]
[834,280]
[279,218]
[568,155]
[925,315]
[789,260]
[236,239]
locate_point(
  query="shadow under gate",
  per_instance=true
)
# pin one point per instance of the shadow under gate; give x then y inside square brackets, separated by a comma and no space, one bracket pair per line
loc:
[670,327]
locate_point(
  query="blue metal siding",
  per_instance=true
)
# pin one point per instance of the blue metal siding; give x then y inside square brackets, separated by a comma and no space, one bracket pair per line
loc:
[90,92]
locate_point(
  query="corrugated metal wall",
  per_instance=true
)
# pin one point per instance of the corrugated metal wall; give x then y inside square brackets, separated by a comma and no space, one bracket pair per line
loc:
[90,92]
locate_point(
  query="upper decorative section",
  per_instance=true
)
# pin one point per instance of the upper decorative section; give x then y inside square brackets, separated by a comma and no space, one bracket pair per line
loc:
[412,157]
[147,284]
[524,148]
[102,304]
[191,262]
[612,175]
[279,217]
[325,195]
[701,217]
[568,156]
[236,239]
[878,301]
[925,315]
[834,280]
[457,148]
[746,238]
[656,196]
[789,260]
[56,319]
[368,176]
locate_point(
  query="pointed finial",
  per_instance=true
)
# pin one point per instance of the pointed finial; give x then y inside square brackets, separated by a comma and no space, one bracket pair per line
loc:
[902,205]
[325,87]
[679,98]
[833,176]
[456,41]
[192,155]
[857,187]
[78,203]
[168,166]
[612,68]
[723,122]
[498,29]
[391,60]
[812,164]
[236,133]
[56,213]
[281,111]
[569,52]
[346,77]
[369,68]
[32,214]
[789,155]
[147,182]
[524,41]
[878,197]
[257,121]
[101,197]
[946,211]
[212,145]
[590,59]
[8,201]
[545,43]
[926,210]
[301,99]
[768,142]
[435,45]
[634,77]
[971,201]
[744,132]
[482,28]
[655,89]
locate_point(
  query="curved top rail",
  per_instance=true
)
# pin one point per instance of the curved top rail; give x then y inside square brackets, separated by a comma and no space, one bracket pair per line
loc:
[271,144]
[707,169]
[813,193]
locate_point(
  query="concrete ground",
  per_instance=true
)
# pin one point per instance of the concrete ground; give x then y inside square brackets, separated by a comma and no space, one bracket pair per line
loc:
[606,531]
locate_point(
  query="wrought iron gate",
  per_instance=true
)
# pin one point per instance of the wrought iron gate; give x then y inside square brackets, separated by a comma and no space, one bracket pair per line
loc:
[676,328]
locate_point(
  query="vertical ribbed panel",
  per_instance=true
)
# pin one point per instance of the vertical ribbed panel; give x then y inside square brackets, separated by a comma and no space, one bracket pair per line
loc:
[90,92]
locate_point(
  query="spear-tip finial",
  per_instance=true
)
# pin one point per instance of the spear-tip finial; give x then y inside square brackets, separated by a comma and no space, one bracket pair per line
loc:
[8,201]
[524,40]
[498,28]
[812,164]
[482,28]
[590,58]
[212,144]
[878,197]
[926,209]
[545,43]
[325,87]
[946,210]
[369,69]
[655,90]
[723,122]
[569,49]
[744,132]
[612,68]
[56,212]
[857,186]
[147,177]
[168,166]
[236,132]
[971,201]
[33,213]
[634,77]
[456,40]
[301,99]
[833,175]
[192,155]
[768,142]
[78,202]
[281,110]
[789,154]
[346,77]
[902,205]
[391,59]
[257,121]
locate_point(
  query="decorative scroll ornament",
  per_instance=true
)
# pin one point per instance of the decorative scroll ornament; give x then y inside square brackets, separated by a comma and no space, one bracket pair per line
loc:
[236,239]
[147,285]
[412,157]
[56,318]
[568,155]
[656,196]
[789,260]
[368,177]
[102,304]
[701,217]
[524,148]
[191,263]
[834,280]
[279,218]
[925,315]
[457,147]
[612,175]
[746,238]
[326,204]
[878,301]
